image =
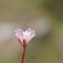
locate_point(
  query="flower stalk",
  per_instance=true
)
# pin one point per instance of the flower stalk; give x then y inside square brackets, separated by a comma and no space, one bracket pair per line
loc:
[24,38]
[22,56]
[23,52]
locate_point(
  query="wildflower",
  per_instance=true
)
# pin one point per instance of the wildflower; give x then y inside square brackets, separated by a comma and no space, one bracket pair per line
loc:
[24,36]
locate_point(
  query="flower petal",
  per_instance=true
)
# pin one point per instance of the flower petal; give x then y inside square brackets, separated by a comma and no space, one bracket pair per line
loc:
[32,32]
[33,35]
[28,39]
[25,35]
[19,32]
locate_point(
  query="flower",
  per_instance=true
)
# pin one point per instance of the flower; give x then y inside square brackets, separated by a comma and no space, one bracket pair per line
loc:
[24,37]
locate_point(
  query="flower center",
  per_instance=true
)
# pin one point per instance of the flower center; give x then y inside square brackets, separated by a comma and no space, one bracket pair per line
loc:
[26,34]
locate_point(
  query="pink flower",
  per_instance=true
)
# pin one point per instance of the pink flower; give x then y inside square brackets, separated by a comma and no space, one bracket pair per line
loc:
[25,36]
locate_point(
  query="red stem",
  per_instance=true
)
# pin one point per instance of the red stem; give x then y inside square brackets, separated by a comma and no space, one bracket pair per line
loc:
[22,56]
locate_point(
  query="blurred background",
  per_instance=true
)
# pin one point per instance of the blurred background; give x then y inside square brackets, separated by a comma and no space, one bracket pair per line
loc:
[44,16]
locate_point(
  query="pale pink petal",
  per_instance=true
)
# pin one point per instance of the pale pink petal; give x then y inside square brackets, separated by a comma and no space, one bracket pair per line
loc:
[33,35]
[28,40]
[19,34]
[32,32]
[19,37]
[30,36]
[19,31]
[27,35]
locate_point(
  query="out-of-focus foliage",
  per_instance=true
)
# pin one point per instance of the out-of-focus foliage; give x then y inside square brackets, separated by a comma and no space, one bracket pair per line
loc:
[54,6]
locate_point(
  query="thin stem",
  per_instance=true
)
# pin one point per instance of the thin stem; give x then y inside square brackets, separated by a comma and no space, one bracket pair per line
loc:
[22,56]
